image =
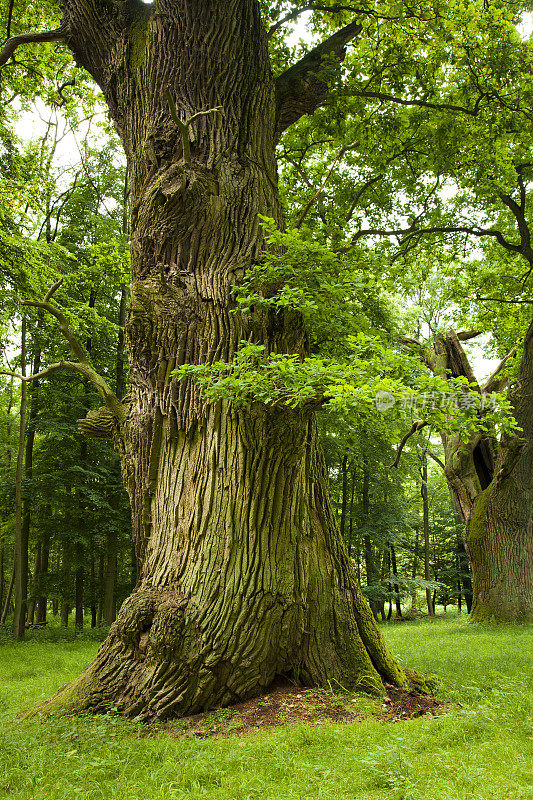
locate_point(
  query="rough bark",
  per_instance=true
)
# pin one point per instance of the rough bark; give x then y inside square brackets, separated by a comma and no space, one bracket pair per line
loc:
[243,573]
[491,483]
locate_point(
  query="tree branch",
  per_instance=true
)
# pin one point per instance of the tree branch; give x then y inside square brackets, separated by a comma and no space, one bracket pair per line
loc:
[412,232]
[82,365]
[56,35]
[503,300]
[471,112]
[465,336]
[319,191]
[436,459]
[492,383]
[312,7]
[184,126]
[416,426]
[300,90]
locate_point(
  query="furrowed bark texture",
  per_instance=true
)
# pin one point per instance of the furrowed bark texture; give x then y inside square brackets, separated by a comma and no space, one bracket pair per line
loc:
[244,576]
[492,485]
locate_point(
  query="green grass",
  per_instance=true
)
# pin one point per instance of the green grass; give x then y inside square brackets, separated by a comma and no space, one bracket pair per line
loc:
[478,751]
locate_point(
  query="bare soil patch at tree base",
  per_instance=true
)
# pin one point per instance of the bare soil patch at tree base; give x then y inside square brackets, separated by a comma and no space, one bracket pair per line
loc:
[287,704]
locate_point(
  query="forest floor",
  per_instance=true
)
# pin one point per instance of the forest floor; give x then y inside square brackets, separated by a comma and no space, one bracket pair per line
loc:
[291,744]
[286,704]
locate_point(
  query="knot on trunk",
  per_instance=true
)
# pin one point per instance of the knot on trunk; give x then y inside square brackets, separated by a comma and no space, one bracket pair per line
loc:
[159,625]
[99,423]
[135,619]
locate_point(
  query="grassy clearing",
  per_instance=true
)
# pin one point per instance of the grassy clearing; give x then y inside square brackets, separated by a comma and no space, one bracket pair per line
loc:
[480,751]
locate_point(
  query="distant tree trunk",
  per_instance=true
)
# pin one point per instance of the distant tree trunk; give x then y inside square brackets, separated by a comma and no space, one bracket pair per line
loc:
[492,487]
[344,502]
[21,538]
[3,605]
[94,610]
[414,568]
[100,612]
[66,573]
[350,527]
[396,587]
[79,585]
[110,580]
[425,512]
[2,575]
[43,574]
[5,610]
[372,574]
[30,617]
[28,474]
[388,557]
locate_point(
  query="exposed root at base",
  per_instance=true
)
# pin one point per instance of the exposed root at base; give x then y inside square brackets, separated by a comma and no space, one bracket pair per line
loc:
[285,704]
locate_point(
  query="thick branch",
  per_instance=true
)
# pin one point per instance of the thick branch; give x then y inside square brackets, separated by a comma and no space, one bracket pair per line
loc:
[299,11]
[464,336]
[411,232]
[494,383]
[416,426]
[437,460]
[58,34]
[97,424]
[299,89]
[471,112]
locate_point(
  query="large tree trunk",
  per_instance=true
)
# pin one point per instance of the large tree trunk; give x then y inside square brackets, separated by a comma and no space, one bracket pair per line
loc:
[492,485]
[243,573]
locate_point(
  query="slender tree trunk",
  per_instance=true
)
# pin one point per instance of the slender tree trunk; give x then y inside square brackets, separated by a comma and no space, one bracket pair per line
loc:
[94,610]
[110,579]
[344,473]
[100,612]
[2,575]
[66,578]
[372,574]
[5,610]
[65,611]
[388,556]
[21,531]
[425,512]
[43,574]
[30,618]
[396,587]
[244,575]
[79,586]
[28,473]
[414,568]
[350,527]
